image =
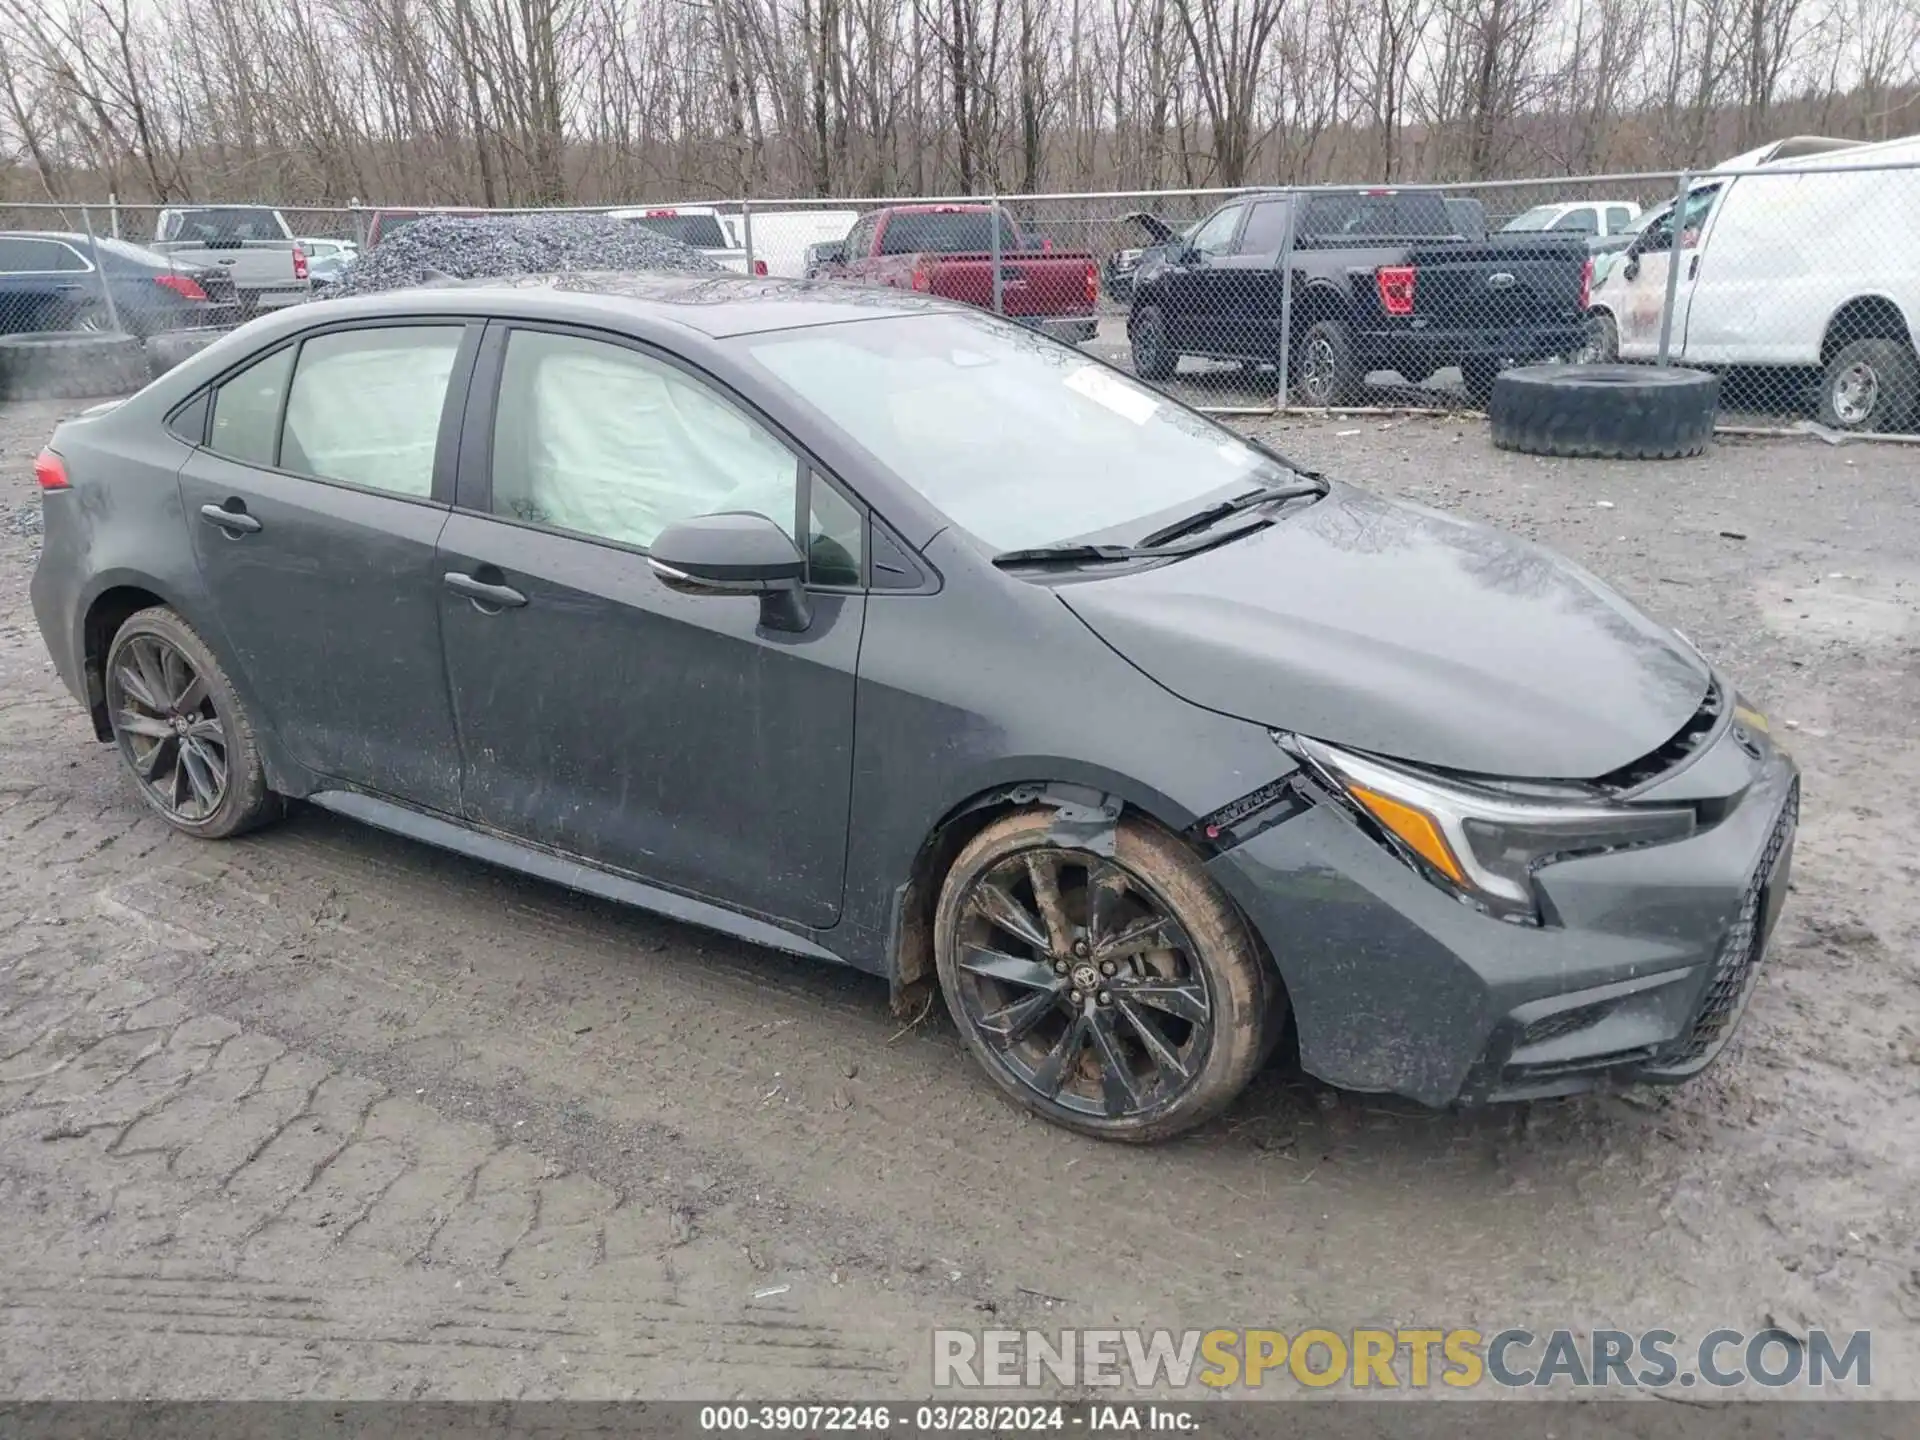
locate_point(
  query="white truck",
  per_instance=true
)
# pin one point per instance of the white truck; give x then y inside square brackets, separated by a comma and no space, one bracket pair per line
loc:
[252,243]
[1803,263]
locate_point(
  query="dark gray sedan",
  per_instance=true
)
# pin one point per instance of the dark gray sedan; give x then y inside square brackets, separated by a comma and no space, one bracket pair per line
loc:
[888,633]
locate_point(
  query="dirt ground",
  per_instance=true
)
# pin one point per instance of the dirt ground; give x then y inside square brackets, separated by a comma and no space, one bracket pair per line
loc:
[326,1113]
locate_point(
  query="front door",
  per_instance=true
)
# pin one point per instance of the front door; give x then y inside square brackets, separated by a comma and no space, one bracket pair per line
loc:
[1193,291]
[314,505]
[1641,299]
[601,714]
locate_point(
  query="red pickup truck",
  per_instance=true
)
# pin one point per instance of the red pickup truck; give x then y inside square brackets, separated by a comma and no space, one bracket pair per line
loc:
[948,251]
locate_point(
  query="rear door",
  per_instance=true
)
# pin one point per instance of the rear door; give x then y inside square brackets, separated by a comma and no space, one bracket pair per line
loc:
[604,715]
[314,503]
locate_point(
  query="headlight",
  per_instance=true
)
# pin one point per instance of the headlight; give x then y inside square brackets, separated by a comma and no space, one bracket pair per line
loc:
[1482,846]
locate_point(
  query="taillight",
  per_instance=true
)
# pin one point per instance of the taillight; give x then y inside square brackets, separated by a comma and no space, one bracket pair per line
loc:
[921,279]
[50,470]
[1586,283]
[299,263]
[760,267]
[1093,285]
[185,286]
[1396,288]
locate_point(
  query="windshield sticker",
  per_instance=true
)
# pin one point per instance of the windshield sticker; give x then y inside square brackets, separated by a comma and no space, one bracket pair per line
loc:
[1105,389]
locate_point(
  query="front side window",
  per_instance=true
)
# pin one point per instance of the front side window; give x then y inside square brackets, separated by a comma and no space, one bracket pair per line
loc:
[1017,439]
[1582,220]
[1216,234]
[246,410]
[365,406]
[1619,217]
[609,443]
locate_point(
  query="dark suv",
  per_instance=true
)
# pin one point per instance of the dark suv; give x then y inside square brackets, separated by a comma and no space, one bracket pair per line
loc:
[1381,280]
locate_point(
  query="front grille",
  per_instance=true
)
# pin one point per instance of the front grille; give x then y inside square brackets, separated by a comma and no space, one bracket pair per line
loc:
[1738,963]
[1690,737]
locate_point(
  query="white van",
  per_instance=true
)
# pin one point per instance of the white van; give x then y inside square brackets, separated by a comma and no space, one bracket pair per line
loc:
[1803,272]
[700,226]
[781,237]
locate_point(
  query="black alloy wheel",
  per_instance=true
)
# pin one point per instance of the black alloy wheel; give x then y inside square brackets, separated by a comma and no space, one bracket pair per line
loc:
[181,730]
[163,716]
[1118,994]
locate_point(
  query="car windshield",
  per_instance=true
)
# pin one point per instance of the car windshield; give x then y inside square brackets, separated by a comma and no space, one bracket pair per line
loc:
[1541,217]
[1019,440]
[703,232]
[123,250]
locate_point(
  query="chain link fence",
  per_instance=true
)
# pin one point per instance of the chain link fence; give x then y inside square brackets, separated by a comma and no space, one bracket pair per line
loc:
[1797,280]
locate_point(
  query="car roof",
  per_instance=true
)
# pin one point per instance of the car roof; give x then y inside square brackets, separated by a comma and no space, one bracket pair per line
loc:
[716,306]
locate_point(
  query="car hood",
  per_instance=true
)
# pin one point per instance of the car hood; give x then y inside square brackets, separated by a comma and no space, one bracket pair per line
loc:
[1396,629]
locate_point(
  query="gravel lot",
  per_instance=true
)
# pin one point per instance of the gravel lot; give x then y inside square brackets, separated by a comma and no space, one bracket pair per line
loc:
[324,1113]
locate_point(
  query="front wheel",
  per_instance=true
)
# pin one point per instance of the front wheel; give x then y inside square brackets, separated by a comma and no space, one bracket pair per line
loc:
[1153,355]
[1117,995]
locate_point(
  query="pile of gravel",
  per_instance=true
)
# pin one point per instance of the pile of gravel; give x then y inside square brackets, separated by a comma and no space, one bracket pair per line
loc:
[481,247]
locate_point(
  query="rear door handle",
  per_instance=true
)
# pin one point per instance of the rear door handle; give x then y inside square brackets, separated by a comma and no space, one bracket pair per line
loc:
[234,522]
[1693,267]
[479,591]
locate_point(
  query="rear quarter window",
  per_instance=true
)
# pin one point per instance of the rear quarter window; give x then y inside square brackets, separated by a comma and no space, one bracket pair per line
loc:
[246,410]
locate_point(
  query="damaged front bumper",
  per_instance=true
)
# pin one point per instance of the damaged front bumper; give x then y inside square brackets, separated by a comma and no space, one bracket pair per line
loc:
[1640,973]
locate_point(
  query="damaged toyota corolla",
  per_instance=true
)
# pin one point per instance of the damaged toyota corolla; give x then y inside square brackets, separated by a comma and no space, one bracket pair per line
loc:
[890,633]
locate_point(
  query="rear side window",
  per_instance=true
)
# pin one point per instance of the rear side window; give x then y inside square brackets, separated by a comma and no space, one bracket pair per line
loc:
[1619,217]
[1382,215]
[365,406]
[1266,229]
[246,410]
[944,232]
[1582,220]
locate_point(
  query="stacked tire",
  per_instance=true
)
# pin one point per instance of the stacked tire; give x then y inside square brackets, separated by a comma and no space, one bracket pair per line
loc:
[1604,412]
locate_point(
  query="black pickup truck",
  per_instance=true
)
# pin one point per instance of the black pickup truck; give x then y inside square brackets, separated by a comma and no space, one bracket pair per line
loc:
[1382,280]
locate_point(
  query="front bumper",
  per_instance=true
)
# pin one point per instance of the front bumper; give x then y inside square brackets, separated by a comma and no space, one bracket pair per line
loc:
[1641,972]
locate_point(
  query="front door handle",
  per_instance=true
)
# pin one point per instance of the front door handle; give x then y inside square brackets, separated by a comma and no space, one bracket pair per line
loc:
[1693,267]
[503,597]
[234,522]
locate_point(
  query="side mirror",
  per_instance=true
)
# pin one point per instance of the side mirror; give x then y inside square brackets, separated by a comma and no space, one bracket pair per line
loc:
[736,553]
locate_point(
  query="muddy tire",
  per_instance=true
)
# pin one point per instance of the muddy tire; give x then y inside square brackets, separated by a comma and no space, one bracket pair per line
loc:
[1602,344]
[1871,386]
[1120,996]
[1604,412]
[1325,372]
[1154,357]
[70,365]
[182,733]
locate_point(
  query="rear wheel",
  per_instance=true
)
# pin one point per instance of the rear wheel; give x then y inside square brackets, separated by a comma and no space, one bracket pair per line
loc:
[1602,343]
[1870,385]
[181,731]
[1153,356]
[1325,372]
[1118,995]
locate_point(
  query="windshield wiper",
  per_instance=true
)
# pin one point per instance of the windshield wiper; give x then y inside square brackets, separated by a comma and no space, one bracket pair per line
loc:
[1315,485]
[1069,554]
